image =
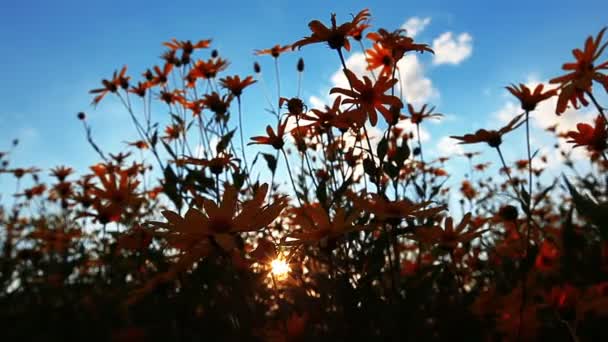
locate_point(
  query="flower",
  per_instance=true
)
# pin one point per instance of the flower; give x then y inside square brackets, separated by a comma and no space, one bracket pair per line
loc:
[218,105]
[336,36]
[61,172]
[418,116]
[161,76]
[448,237]
[274,51]
[205,70]
[377,57]
[118,80]
[327,118]
[274,140]
[216,165]
[594,138]
[193,232]
[314,223]
[530,99]
[492,137]
[235,85]
[369,97]
[583,72]
[397,43]
[187,45]
[385,209]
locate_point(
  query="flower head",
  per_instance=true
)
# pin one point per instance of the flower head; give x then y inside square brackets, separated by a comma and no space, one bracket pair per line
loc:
[274,140]
[380,57]
[492,137]
[581,74]
[417,116]
[274,51]
[335,36]
[369,97]
[529,99]
[236,85]
[592,137]
[397,42]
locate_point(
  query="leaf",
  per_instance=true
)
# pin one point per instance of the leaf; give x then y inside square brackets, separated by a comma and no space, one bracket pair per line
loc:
[271,161]
[224,141]
[596,213]
[170,187]
[322,192]
[391,170]
[168,148]
[382,148]
[154,138]
[403,152]
[370,168]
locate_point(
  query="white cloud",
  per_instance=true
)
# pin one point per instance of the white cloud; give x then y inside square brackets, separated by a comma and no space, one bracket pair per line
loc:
[447,147]
[417,87]
[415,25]
[452,50]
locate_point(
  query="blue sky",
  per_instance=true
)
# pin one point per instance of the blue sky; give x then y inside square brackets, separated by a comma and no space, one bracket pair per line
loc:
[53,52]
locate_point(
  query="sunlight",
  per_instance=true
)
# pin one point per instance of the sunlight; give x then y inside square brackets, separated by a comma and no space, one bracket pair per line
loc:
[279,268]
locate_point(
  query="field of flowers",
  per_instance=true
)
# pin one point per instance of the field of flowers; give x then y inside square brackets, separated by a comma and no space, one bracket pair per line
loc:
[362,245]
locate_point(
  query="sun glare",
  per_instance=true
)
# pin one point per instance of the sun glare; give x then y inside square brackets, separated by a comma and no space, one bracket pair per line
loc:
[280,268]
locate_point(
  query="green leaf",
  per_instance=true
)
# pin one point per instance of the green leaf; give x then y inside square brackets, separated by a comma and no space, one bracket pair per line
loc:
[382,148]
[271,161]
[596,213]
[224,141]
[170,187]
[403,152]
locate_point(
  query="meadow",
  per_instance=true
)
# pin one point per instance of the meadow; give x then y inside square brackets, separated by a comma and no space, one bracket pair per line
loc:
[320,229]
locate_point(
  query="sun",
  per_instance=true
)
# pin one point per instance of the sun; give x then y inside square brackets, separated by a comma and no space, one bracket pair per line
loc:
[279,268]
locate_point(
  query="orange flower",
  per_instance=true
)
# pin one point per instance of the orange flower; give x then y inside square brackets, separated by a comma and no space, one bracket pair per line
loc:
[118,80]
[418,116]
[315,223]
[173,131]
[385,209]
[492,137]
[379,56]
[274,51]
[217,104]
[397,43]
[61,172]
[187,45]
[336,36]
[205,70]
[594,138]
[194,232]
[235,85]
[140,89]
[140,144]
[583,72]
[161,76]
[274,140]
[530,99]
[216,165]
[369,97]
[326,119]
[468,190]
[548,256]
[448,237]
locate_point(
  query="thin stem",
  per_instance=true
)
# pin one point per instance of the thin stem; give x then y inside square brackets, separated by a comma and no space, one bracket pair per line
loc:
[276,71]
[528,227]
[238,99]
[293,184]
[597,105]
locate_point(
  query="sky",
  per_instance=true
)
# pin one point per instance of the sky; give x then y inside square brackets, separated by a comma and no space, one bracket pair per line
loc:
[54,52]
